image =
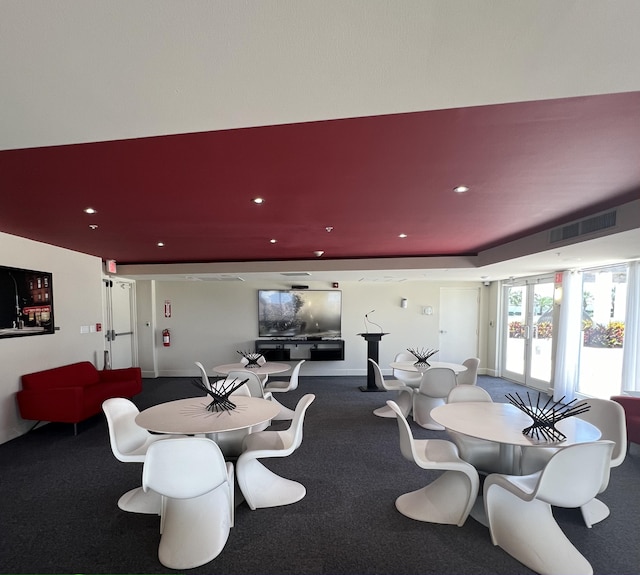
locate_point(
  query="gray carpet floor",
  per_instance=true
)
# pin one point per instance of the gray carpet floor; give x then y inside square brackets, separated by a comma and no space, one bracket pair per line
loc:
[59,497]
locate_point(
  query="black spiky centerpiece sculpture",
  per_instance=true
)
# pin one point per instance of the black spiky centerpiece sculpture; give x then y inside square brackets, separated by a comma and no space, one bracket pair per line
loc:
[220,391]
[422,355]
[253,359]
[546,417]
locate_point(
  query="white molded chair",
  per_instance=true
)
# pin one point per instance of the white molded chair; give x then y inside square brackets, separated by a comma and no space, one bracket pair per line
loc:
[260,486]
[197,488]
[276,386]
[410,378]
[451,496]
[257,390]
[203,374]
[470,376]
[284,386]
[129,443]
[434,388]
[462,393]
[608,416]
[404,397]
[254,383]
[519,507]
[483,455]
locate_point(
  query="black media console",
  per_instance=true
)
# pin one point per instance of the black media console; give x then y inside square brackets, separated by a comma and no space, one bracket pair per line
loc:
[296,349]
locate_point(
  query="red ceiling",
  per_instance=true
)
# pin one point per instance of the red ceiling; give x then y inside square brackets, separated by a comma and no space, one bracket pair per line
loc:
[529,166]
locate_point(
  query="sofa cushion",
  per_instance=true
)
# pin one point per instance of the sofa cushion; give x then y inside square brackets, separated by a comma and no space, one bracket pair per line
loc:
[94,395]
[72,375]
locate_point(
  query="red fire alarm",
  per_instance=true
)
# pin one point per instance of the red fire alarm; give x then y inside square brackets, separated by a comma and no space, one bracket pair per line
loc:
[111,266]
[98,327]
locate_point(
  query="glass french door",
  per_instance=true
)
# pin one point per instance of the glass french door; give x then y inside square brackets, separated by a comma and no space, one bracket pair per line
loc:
[528,332]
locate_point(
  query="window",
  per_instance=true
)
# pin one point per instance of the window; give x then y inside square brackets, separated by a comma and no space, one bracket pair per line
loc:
[604,297]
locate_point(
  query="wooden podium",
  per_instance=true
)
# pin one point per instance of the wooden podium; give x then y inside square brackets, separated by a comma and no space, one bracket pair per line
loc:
[372,339]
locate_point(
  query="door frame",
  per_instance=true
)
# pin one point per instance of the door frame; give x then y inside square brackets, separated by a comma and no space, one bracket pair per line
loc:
[525,378]
[108,282]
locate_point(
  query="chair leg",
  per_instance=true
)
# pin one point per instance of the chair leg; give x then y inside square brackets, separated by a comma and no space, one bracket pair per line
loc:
[139,501]
[448,500]
[385,411]
[528,532]
[405,403]
[422,406]
[594,512]
[263,488]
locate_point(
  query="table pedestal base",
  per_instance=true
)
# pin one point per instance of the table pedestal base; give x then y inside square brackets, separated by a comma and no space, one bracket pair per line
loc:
[365,388]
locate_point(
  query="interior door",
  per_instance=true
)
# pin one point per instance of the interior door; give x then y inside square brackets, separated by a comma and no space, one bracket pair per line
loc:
[459,318]
[527,330]
[120,343]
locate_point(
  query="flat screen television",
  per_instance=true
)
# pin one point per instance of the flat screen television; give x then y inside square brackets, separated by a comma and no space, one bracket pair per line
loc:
[300,313]
[26,302]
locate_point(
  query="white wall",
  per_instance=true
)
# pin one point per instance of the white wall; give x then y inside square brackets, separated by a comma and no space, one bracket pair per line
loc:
[77,300]
[212,320]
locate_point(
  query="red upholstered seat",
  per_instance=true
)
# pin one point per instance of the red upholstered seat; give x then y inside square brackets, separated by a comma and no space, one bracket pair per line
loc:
[631,405]
[75,392]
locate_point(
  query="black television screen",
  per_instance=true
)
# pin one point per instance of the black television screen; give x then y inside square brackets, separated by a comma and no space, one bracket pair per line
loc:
[299,313]
[26,302]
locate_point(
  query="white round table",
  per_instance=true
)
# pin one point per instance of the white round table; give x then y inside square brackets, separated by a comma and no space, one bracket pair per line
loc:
[265,369]
[503,423]
[410,365]
[191,417]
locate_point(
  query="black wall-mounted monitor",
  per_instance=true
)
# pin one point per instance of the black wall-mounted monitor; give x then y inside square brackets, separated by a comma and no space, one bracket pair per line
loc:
[26,302]
[300,313]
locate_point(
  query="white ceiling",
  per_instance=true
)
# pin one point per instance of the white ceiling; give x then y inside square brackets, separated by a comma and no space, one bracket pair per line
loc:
[76,71]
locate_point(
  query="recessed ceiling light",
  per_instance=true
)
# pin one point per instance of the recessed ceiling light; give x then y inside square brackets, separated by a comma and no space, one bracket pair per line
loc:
[93,226]
[160,244]
[273,241]
[318,253]
[329,228]
[402,235]
[461,189]
[258,200]
[90,211]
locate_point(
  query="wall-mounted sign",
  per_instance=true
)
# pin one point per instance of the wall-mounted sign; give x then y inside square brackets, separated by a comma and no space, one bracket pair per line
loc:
[167,308]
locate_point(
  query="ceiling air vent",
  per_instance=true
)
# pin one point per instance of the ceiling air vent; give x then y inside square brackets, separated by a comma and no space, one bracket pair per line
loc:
[223,278]
[583,227]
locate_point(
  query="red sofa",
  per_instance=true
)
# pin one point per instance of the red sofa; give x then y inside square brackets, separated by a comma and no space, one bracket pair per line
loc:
[75,392]
[631,406]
